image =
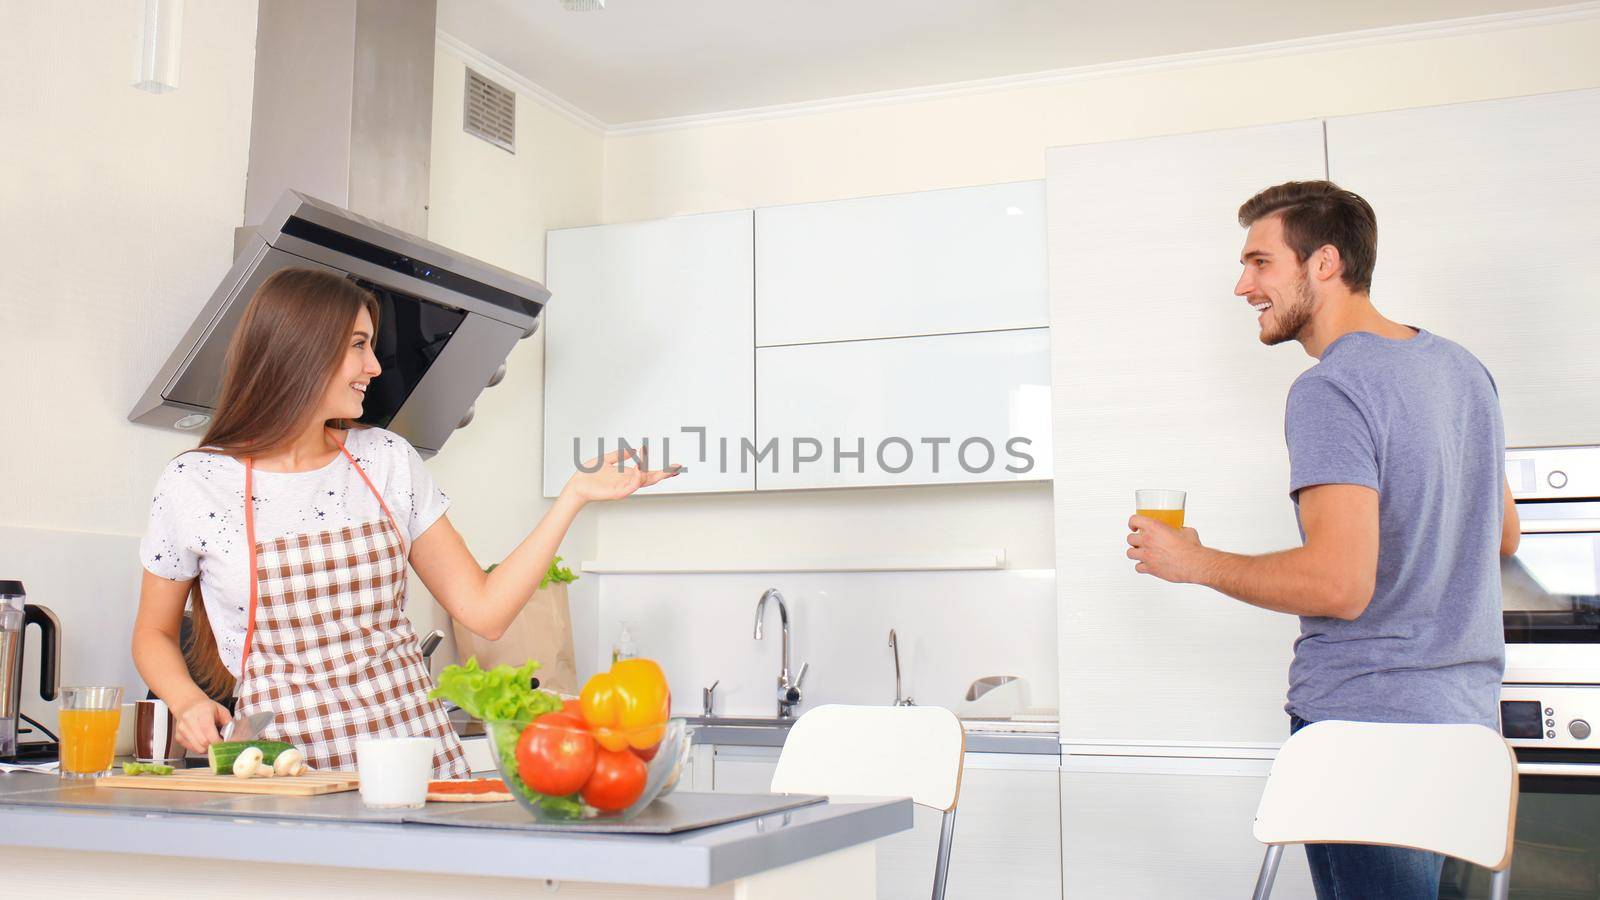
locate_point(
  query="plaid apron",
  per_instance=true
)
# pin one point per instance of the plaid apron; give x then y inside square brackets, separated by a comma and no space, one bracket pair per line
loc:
[328,647]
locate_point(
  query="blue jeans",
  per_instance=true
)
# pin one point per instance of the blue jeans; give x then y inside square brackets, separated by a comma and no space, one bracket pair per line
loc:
[1370,872]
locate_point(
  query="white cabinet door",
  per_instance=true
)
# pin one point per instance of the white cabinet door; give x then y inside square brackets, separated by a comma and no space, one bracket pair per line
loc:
[1487,224]
[1167,835]
[743,770]
[1008,827]
[1160,382]
[943,409]
[1007,841]
[933,262]
[650,331]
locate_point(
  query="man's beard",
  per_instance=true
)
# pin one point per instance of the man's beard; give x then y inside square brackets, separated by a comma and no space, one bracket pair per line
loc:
[1292,320]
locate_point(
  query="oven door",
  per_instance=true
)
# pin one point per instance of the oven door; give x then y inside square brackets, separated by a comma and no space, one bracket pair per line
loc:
[1557,848]
[1550,594]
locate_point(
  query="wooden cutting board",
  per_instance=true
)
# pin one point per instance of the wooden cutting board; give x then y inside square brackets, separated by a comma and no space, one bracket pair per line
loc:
[308,785]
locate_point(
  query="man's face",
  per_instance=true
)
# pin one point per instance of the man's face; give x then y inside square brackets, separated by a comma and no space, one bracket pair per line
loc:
[1274,283]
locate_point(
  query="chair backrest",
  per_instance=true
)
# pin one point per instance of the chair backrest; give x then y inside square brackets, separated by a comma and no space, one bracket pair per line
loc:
[875,751]
[1451,789]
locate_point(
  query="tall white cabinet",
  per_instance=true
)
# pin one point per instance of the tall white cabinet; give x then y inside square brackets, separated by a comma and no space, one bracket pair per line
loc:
[1488,217]
[1160,382]
[650,331]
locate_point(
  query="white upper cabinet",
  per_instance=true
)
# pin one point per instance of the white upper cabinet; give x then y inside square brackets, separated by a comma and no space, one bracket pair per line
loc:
[935,262]
[1160,381]
[942,409]
[1488,216]
[650,331]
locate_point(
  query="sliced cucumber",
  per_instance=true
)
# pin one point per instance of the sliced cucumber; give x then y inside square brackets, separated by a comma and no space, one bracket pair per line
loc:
[138,768]
[222,754]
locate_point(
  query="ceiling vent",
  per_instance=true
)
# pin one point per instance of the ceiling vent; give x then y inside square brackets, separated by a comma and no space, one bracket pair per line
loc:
[491,112]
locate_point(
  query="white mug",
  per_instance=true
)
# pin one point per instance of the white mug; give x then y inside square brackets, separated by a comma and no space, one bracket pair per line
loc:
[395,771]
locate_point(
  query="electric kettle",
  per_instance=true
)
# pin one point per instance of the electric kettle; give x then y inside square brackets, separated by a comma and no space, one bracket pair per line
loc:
[16,614]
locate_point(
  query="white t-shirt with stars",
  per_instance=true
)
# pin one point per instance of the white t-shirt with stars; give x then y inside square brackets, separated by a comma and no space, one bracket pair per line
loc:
[197,517]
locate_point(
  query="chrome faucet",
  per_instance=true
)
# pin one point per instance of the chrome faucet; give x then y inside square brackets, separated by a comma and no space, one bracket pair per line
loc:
[894,647]
[788,692]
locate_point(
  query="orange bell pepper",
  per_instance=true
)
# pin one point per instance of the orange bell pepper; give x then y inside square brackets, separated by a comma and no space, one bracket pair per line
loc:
[627,706]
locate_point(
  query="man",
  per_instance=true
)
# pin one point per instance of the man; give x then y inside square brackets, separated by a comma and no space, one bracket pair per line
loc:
[1396,455]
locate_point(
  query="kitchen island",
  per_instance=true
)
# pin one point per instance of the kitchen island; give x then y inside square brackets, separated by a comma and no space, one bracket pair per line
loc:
[73,840]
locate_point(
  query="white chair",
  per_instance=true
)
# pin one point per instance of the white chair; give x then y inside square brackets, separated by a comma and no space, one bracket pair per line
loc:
[880,751]
[1449,789]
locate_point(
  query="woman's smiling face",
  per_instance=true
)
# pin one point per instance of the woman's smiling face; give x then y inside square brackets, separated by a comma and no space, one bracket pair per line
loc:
[347,389]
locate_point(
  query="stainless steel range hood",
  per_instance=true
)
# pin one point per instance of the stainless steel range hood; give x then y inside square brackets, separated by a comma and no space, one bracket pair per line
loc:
[342,111]
[445,326]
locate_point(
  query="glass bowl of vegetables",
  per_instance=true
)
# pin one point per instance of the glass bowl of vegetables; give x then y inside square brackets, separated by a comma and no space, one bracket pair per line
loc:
[559,772]
[606,754]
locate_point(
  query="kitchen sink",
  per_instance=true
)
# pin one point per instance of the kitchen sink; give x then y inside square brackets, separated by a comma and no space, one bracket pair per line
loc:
[740,721]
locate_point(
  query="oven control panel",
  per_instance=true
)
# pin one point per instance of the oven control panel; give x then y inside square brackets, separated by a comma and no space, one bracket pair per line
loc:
[1543,473]
[1554,716]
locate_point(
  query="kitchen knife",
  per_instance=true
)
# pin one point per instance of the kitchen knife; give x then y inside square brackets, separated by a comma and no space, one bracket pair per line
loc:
[248,728]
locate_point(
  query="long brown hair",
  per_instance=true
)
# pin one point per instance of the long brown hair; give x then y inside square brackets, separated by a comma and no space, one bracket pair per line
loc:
[291,341]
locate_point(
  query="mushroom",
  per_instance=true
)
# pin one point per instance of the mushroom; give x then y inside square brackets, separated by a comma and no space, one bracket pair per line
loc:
[248,763]
[289,762]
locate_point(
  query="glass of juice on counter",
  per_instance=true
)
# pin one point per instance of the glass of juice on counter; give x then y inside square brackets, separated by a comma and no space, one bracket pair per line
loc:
[89,720]
[1163,506]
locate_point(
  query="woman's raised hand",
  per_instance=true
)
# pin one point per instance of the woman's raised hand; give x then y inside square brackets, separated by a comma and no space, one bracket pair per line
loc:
[613,481]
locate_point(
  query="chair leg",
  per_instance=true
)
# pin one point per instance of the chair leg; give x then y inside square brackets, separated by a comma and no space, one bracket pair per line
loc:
[1500,885]
[1269,872]
[941,866]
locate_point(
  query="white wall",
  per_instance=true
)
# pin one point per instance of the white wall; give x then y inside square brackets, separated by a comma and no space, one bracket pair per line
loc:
[1000,137]
[496,206]
[952,628]
[117,211]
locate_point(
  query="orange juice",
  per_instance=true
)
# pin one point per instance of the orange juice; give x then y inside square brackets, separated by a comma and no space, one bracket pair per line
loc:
[88,739]
[1173,517]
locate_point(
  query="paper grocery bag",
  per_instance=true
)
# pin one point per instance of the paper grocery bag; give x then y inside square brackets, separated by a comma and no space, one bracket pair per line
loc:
[542,631]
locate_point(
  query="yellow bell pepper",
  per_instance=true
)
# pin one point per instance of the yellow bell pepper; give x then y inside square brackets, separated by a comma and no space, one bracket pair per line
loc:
[627,706]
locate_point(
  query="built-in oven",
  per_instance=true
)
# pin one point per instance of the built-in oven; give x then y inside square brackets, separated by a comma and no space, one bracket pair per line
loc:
[1550,589]
[1550,701]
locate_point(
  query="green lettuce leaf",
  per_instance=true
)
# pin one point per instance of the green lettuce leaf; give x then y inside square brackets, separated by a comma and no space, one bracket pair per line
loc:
[501,694]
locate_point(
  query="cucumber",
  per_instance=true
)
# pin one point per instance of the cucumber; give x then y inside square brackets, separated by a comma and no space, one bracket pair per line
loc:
[223,753]
[138,768]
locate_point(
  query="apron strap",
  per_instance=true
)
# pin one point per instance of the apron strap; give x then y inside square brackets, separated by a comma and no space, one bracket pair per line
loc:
[250,542]
[250,538]
[386,512]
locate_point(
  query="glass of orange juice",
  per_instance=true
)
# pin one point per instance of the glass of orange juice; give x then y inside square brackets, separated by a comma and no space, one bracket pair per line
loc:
[89,720]
[1163,506]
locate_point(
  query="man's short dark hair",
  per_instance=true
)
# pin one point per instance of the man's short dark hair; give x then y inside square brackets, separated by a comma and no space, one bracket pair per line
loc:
[1317,213]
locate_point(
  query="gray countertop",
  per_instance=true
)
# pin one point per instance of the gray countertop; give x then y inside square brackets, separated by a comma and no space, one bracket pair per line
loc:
[761,732]
[336,830]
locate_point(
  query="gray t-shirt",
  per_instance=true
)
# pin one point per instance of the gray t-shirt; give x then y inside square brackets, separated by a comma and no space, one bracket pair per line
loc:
[1418,421]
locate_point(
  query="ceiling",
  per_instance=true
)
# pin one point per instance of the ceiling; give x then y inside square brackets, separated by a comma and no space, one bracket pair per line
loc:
[641,60]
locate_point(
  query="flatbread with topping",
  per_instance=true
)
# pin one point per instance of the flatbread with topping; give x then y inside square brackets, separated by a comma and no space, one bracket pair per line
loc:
[468,790]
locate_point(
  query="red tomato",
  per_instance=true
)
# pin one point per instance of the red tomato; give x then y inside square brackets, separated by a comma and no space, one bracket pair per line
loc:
[574,707]
[555,754]
[618,780]
[647,753]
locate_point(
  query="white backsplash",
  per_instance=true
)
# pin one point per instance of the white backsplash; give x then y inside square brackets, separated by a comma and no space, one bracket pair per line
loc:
[953,627]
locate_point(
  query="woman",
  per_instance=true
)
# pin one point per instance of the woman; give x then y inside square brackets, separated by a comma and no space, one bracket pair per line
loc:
[298,596]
